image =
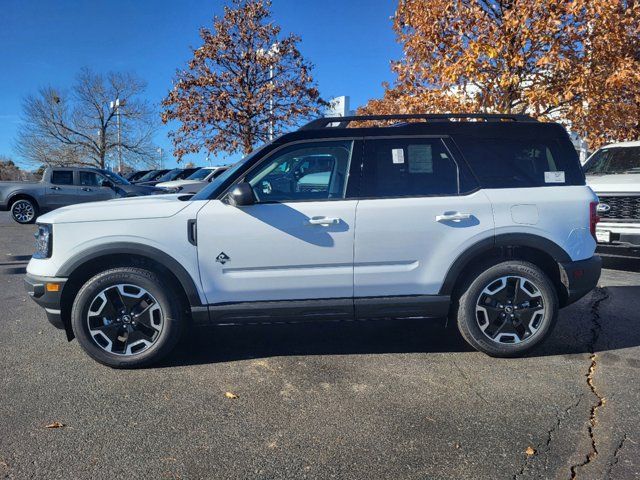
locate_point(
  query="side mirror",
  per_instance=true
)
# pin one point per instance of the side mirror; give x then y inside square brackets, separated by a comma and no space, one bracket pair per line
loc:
[242,195]
[106,183]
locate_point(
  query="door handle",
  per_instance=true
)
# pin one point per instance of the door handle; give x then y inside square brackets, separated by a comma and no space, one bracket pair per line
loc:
[323,221]
[452,217]
[86,189]
[55,188]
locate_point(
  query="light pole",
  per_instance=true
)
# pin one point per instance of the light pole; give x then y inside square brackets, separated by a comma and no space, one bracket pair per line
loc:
[116,105]
[161,158]
[273,51]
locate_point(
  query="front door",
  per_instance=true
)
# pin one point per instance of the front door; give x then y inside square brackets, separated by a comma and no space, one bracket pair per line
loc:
[295,242]
[419,211]
[91,189]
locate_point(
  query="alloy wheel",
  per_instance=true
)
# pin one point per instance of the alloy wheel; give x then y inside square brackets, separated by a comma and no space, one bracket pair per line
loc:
[125,319]
[23,211]
[510,310]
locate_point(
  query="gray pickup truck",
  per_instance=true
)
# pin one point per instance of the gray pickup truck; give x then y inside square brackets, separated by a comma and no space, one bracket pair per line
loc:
[61,186]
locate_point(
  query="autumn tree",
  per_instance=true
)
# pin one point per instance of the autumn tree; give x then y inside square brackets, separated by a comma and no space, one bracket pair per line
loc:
[79,126]
[244,84]
[553,59]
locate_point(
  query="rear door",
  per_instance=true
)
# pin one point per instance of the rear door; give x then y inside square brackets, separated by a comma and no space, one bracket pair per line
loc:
[419,210]
[62,191]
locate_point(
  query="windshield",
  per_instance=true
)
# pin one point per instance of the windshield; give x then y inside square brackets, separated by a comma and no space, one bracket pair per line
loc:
[170,175]
[200,174]
[115,178]
[150,175]
[614,161]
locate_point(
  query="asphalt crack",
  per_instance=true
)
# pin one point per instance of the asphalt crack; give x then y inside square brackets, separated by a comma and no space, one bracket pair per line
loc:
[596,329]
[615,455]
[545,447]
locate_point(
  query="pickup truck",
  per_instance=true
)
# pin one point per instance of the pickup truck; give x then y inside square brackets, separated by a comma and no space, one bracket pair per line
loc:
[62,186]
[613,172]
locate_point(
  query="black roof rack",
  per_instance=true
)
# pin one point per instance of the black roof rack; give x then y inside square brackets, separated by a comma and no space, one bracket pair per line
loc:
[343,122]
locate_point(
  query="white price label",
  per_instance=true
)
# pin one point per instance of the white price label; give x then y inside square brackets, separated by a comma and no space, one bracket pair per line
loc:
[554,177]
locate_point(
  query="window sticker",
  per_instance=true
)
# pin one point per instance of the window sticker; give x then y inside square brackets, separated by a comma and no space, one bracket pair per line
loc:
[554,177]
[420,159]
[397,154]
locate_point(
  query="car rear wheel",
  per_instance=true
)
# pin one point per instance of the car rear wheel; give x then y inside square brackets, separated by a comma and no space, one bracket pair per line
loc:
[127,317]
[507,309]
[24,211]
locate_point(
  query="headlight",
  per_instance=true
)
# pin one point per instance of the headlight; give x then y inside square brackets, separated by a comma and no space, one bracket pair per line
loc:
[44,241]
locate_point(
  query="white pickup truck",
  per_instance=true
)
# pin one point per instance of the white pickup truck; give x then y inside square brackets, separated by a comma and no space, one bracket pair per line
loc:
[613,172]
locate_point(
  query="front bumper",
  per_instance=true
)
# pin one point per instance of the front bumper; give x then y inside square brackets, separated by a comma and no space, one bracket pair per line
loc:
[580,277]
[40,290]
[618,233]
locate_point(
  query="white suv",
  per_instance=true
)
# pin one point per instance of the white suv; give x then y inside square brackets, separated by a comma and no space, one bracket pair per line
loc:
[614,174]
[488,221]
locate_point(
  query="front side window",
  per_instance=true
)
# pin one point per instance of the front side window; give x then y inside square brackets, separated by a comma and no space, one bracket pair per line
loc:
[62,177]
[89,179]
[309,171]
[408,167]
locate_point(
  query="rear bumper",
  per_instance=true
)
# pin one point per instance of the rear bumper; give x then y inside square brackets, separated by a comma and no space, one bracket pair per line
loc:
[580,277]
[36,287]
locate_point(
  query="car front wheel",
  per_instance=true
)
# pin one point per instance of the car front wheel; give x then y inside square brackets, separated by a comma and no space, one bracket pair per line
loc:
[507,309]
[127,317]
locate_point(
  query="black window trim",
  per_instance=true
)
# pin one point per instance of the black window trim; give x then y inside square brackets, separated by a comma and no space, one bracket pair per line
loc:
[442,139]
[241,178]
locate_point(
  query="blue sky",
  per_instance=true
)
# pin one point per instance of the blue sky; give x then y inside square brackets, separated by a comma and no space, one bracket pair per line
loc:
[46,42]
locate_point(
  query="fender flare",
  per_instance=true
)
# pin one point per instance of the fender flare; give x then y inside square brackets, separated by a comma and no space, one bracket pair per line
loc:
[506,239]
[22,194]
[119,248]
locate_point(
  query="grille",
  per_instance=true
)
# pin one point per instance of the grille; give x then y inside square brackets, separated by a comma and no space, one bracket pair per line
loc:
[624,207]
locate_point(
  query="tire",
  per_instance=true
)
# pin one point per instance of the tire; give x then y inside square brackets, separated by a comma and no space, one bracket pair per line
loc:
[127,317]
[24,211]
[506,309]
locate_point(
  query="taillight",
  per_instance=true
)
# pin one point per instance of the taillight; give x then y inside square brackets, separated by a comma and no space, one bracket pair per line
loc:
[593,218]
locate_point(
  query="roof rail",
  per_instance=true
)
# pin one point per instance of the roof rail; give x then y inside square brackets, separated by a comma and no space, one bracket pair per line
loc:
[343,122]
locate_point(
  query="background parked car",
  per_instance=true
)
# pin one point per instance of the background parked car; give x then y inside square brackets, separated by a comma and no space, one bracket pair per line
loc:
[64,186]
[175,174]
[133,176]
[151,176]
[613,172]
[196,181]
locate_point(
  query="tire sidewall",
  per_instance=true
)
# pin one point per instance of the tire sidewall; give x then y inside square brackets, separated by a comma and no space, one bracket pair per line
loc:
[170,306]
[467,321]
[30,202]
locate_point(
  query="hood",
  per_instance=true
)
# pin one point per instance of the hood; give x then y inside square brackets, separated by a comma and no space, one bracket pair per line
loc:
[621,183]
[177,183]
[157,206]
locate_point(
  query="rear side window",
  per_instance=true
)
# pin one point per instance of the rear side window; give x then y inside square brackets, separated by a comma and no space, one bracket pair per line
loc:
[408,167]
[62,177]
[518,163]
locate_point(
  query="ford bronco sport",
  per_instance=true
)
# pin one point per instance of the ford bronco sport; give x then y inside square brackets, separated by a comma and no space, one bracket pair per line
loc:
[484,218]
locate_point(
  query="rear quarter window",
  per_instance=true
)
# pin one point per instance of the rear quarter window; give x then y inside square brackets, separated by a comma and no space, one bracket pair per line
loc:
[521,163]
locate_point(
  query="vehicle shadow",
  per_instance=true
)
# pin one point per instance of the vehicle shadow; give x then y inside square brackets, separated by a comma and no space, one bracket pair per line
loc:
[574,334]
[228,343]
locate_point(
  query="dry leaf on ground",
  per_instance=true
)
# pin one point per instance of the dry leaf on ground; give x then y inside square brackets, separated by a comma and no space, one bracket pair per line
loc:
[230,395]
[55,425]
[530,451]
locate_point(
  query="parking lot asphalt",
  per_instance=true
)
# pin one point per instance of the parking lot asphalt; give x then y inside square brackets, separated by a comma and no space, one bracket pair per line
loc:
[374,400]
